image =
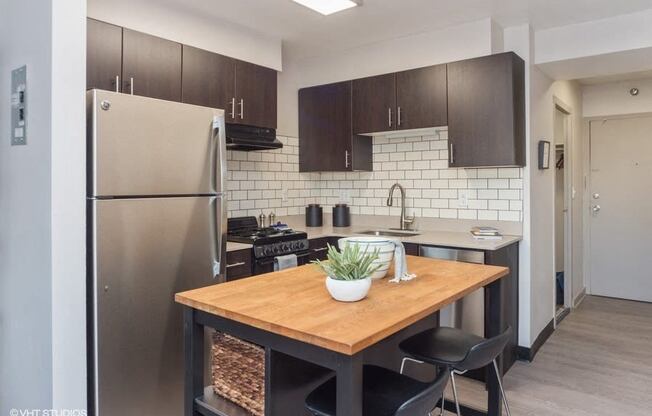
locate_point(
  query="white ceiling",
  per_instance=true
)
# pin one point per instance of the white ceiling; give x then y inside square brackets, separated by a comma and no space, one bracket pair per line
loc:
[306,33]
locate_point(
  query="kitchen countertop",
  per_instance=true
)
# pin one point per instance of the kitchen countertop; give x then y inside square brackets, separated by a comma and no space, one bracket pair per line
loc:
[294,303]
[427,237]
[445,237]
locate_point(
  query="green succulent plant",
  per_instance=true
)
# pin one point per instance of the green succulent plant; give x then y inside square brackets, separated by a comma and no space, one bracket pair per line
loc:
[350,263]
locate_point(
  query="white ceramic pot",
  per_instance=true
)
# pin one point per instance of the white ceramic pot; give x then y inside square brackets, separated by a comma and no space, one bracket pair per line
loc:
[348,290]
[369,244]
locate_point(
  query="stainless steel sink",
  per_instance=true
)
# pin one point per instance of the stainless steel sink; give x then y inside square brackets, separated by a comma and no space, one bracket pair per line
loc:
[390,233]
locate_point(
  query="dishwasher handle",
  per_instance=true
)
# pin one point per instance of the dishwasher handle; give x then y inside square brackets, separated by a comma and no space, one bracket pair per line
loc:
[443,253]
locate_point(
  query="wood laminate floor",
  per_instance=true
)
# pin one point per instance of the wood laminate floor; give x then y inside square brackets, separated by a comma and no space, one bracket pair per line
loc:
[597,362]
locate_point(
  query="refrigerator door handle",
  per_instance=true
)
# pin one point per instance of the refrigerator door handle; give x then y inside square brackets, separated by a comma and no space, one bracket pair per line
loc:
[219,238]
[220,214]
[219,139]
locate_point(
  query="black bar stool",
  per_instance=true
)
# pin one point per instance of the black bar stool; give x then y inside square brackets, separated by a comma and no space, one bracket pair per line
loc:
[458,352]
[385,393]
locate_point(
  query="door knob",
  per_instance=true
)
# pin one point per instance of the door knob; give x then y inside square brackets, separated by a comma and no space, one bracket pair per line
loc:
[596,196]
[595,208]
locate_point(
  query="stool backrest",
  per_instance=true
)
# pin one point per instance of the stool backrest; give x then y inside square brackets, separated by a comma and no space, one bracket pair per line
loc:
[485,352]
[424,402]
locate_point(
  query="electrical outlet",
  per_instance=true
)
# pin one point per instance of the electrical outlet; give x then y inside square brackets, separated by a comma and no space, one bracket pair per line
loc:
[345,196]
[284,194]
[464,199]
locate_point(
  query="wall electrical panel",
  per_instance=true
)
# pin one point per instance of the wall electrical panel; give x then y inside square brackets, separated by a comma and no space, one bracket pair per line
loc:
[19,106]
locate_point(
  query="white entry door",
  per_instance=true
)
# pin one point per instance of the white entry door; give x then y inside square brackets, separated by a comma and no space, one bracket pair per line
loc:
[621,208]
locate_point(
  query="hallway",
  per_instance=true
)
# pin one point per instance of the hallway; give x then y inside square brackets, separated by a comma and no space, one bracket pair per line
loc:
[598,362]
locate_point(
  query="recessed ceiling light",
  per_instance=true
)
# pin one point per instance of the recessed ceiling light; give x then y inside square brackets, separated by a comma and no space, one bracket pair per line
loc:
[327,7]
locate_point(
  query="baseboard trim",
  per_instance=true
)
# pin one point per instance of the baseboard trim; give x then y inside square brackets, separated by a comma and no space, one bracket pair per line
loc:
[528,354]
[579,298]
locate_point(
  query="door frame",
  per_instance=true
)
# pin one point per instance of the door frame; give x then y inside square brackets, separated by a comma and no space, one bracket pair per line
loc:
[568,111]
[586,206]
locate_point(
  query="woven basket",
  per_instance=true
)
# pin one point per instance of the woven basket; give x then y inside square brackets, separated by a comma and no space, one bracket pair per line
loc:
[239,372]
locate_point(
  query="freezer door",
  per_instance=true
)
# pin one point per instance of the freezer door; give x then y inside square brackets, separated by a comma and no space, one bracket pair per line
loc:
[146,250]
[142,146]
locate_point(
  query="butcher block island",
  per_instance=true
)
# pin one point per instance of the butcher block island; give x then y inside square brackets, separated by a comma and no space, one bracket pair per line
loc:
[308,336]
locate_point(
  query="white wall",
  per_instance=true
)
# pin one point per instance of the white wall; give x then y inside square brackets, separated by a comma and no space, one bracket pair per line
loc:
[598,37]
[25,257]
[195,29]
[42,246]
[455,43]
[615,45]
[68,204]
[545,92]
[613,98]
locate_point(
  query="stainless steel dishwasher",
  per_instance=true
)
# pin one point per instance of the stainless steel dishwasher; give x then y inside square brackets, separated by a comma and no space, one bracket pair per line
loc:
[468,312]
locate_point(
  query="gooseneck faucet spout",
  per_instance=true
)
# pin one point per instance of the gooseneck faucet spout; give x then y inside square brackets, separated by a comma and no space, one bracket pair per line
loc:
[405,221]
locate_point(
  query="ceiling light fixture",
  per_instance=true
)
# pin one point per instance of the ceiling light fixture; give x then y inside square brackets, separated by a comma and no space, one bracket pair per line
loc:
[327,7]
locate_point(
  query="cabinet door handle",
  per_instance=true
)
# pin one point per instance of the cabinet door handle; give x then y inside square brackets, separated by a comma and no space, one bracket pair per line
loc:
[241,108]
[398,121]
[242,263]
[346,159]
[315,250]
[389,117]
[131,85]
[452,153]
[117,83]
[233,108]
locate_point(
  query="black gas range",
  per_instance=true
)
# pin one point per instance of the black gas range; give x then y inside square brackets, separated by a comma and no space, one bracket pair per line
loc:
[268,242]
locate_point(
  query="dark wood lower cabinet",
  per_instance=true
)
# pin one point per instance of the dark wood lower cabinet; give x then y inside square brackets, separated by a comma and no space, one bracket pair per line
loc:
[506,257]
[238,264]
[411,249]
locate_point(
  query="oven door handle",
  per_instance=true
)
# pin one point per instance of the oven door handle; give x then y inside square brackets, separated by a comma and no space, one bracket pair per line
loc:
[271,259]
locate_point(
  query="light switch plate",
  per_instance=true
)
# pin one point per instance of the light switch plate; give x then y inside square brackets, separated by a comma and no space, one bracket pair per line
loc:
[19,106]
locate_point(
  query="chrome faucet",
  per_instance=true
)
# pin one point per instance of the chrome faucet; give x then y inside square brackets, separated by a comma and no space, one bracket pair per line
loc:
[405,220]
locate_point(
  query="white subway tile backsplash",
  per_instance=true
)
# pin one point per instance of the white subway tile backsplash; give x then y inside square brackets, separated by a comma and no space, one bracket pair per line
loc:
[270,181]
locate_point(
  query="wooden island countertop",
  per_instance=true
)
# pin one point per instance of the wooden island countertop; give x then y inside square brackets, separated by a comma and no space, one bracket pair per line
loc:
[294,303]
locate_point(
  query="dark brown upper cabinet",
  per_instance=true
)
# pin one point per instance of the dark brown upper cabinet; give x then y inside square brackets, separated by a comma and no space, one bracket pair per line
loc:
[255,93]
[326,141]
[486,111]
[151,66]
[104,55]
[209,80]
[374,104]
[421,100]
[405,100]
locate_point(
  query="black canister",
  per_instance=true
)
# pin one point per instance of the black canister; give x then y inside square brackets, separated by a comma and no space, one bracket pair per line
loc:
[314,215]
[341,216]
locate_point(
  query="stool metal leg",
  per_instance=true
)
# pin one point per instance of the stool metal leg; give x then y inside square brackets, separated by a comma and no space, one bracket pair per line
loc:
[502,390]
[405,359]
[457,401]
[443,402]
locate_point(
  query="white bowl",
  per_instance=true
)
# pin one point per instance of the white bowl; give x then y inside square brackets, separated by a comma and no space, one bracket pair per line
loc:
[384,246]
[348,290]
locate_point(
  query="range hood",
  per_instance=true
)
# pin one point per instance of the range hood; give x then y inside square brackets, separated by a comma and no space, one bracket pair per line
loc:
[248,138]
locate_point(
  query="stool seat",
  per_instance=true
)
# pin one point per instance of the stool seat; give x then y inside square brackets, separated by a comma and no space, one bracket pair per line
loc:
[385,392]
[441,346]
[458,352]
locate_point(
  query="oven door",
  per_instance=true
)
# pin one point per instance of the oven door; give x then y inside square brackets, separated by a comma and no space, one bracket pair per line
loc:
[266,265]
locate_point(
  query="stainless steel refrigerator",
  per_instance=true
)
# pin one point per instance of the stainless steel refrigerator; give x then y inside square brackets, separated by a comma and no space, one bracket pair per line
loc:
[157,226]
